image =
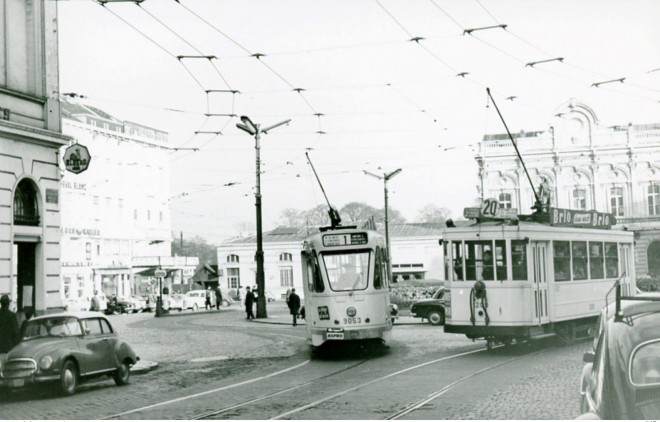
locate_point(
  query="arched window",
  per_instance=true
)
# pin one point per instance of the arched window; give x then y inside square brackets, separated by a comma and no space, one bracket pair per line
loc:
[26,206]
[232,258]
[286,257]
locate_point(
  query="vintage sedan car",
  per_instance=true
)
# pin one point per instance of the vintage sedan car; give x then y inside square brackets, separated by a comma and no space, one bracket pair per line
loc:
[176,302]
[623,380]
[67,348]
[432,309]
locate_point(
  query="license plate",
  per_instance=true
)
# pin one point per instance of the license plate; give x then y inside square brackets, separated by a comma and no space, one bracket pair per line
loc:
[16,383]
[335,336]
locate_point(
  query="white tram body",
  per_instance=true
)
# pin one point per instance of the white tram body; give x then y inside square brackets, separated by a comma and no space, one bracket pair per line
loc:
[345,280]
[515,280]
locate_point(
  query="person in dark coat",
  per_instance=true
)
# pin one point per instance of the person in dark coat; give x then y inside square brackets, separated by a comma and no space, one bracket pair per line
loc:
[294,306]
[249,301]
[218,297]
[8,326]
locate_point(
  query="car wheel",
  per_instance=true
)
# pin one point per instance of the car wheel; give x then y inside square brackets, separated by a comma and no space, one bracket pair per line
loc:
[123,374]
[435,318]
[69,378]
[194,307]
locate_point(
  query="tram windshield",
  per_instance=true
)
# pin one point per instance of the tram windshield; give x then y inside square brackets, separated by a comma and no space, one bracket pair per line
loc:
[347,271]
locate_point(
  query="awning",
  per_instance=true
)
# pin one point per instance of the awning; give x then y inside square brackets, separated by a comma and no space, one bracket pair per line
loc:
[149,272]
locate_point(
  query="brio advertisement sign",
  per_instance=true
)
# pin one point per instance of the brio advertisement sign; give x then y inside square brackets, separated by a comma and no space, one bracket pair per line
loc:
[580,218]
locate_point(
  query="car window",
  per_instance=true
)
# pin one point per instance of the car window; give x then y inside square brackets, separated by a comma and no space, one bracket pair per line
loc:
[105,326]
[58,327]
[93,325]
[645,364]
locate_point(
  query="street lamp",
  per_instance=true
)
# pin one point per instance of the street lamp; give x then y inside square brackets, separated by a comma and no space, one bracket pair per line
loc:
[255,130]
[385,177]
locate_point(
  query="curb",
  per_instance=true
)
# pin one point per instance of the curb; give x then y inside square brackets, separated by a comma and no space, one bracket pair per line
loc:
[143,366]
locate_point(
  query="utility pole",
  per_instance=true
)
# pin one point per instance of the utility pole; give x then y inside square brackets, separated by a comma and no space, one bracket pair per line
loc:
[385,178]
[255,130]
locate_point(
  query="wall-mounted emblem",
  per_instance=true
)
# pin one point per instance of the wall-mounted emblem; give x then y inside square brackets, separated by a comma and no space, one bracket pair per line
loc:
[77,158]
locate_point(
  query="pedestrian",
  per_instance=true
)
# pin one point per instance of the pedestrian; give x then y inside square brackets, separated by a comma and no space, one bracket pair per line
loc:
[288,293]
[255,292]
[249,301]
[8,326]
[96,302]
[218,297]
[294,306]
[207,302]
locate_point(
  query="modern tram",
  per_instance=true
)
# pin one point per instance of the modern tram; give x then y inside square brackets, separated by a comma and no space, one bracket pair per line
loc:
[517,277]
[346,286]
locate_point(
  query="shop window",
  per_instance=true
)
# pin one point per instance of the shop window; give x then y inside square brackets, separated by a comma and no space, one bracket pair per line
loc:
[26,206]
[562,260]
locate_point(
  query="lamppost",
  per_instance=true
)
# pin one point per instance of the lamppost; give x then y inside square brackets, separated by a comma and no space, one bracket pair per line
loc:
[255,130]
[385,177]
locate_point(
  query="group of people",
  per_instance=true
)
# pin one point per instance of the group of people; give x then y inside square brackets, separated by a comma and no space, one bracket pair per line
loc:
[11,324]
[292,301]
[213,293]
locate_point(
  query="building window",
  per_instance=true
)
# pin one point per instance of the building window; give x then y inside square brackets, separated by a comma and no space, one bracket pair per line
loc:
[232,258]
[616,201]
[286,277]
[160,216]
[234,278]
[286,257]
[26,206]
[580,199]
[120,202]
[95,200]
[148,215]
[134,214]
[654,199]
[505,200]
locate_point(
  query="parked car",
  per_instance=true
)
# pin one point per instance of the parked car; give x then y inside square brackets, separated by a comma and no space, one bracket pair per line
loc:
[196,299]
[432,309]
[176,302]
[77,304]
[139,303]
[67,348]
[623,380]
[120,306]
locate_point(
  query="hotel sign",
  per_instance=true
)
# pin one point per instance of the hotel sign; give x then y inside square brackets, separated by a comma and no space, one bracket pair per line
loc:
[76,158]
[81,231]
[578,218]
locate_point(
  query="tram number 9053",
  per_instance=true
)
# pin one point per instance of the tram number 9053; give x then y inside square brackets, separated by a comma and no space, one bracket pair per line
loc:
[352,320]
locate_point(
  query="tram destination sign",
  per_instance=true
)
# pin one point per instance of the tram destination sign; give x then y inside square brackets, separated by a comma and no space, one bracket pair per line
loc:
[347,239]
[578,218]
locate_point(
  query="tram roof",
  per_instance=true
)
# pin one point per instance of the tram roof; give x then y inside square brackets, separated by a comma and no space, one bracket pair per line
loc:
[530,226]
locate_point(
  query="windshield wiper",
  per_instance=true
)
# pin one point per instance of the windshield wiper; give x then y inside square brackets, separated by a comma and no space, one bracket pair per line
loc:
[357,279]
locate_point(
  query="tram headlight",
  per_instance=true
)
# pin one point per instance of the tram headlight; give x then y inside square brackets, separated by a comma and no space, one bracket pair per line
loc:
[351,311]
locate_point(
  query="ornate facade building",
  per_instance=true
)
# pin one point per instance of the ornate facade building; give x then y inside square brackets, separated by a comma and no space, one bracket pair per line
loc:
[30,139]
[585,166]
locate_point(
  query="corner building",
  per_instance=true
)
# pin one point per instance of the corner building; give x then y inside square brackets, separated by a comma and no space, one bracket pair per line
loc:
[588,166]
[30,139]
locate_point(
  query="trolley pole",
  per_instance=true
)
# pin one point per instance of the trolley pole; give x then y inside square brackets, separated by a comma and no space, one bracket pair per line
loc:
[255,130]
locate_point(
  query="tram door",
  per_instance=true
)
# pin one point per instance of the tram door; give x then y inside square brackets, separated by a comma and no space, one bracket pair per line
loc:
[540,281]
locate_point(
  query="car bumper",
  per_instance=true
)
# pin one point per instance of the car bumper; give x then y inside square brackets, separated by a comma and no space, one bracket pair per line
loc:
[25,381]
[321,335]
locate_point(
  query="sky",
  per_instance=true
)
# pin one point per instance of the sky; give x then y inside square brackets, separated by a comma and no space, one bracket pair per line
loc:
[373,85]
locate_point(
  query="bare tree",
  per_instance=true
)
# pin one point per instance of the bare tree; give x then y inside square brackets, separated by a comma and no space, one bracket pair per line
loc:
[431,213]
[245,228]
[291,217]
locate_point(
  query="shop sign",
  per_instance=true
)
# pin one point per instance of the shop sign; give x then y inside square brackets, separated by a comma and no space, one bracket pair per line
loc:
[52,196]
[578,218]
[81,232]
[77,158]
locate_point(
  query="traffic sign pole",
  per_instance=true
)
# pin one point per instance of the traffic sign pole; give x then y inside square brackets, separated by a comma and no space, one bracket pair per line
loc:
[160,273]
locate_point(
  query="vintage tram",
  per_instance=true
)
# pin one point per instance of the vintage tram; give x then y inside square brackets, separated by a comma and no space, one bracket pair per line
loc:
[346,286]
[513,278]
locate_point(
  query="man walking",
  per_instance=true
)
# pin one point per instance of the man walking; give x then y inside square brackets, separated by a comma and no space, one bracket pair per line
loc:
[8,326]
[96,302]
[207,301]
[294,306]
[249,301]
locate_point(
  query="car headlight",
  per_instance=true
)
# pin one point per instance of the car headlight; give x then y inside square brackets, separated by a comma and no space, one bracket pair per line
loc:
[45,363]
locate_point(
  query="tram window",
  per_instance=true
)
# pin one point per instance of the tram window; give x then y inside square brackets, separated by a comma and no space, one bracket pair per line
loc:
[347,271]
[596,261]
[611,260]
[379,266]
[579,252]
[500,259]
[562,260]
[519,259]
[314,279]
[457,265]
[479,263]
